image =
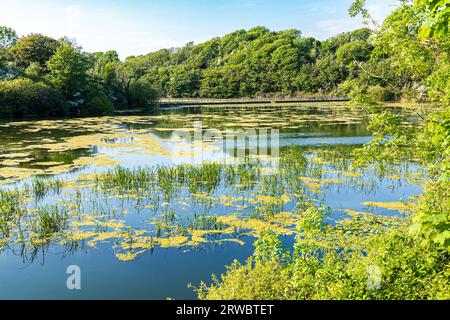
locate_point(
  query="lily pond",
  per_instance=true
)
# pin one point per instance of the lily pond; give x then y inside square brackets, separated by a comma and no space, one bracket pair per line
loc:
[143,212]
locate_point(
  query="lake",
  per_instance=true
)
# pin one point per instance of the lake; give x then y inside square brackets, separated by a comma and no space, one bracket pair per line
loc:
[146,205]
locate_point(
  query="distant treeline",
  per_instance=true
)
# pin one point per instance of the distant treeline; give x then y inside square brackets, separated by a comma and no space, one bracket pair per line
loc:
[256,63]
[387,64]
[43,76]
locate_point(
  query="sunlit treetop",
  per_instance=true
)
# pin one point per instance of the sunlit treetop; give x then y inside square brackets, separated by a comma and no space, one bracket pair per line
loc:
[436,16]
[8,37]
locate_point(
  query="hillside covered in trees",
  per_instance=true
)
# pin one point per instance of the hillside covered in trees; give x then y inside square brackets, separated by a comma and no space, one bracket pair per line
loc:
[386,64]
[43,76]
[257,62]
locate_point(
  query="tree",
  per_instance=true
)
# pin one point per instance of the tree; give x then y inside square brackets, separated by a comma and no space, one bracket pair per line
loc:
[220,83]
[437,20]
[68,70]
[34,48]
[257,62]
[102,63]
[328,73]
[8,37]
[97,102]
[354,51]
[185,82]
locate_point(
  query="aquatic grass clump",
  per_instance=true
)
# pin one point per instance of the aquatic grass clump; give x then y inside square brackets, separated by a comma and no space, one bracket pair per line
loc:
[40,187]
[11,201]
[11,207]
[189,204]
[52,219]
[204,222]
[198,179]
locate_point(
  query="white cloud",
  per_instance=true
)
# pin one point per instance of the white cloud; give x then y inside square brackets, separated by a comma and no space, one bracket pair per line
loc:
[94,30]
[380,10]
[332,27]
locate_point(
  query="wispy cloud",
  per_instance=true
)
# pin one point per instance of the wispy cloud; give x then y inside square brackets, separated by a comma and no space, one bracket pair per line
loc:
[327,28]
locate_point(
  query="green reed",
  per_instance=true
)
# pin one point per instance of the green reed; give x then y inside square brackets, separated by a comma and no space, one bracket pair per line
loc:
[52,219]
[41,187]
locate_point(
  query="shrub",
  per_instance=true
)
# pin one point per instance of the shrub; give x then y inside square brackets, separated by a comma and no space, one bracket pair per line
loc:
[378,93]
[143,95]
[92,102]
[386,264]
[21,97]
[98,106]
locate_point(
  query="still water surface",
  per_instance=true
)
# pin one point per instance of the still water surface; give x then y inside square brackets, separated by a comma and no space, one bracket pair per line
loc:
[174,228]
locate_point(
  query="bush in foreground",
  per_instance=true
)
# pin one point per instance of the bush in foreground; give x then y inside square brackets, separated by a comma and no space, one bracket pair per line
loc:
[357,264]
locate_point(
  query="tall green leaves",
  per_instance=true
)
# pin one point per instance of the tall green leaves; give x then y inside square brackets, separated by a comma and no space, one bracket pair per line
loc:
[437,21]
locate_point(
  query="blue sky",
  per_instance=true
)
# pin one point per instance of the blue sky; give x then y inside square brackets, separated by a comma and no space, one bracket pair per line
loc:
[137,27]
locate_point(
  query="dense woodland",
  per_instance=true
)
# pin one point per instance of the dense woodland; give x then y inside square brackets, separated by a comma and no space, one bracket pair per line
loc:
[47,77]
[257,62]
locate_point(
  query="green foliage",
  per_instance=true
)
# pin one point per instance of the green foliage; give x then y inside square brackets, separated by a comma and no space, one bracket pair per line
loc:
[391,62]
[437,18]
[143,95]
[23,97]
[68,70]
[392,142]
[8,37]
[98,106]
[33,72]
[434,139]
[358,50]
[358,8]
[95,102]
[362,259]
[431,224]
[429,144]
[93,84]
[185,82]
[257,62]
[385,264]
[34,48]
[103,61]
[438,83]
[3,64]
[402,60]
[379,93]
